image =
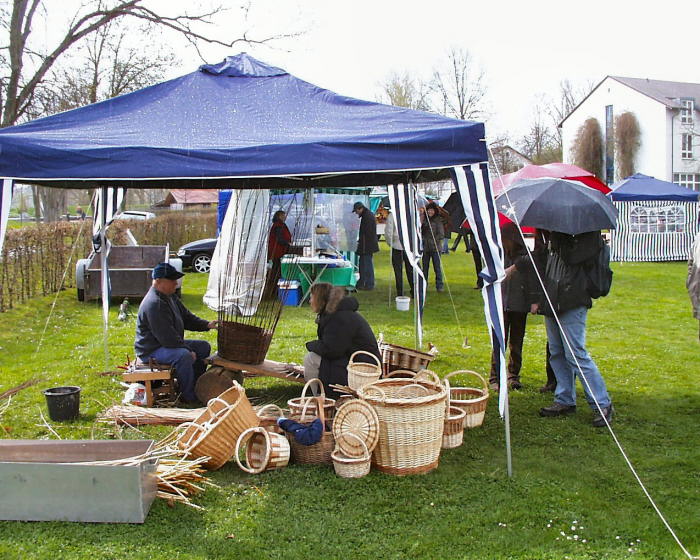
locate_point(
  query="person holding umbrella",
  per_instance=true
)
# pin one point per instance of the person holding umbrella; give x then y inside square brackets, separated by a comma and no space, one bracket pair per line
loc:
[574,214]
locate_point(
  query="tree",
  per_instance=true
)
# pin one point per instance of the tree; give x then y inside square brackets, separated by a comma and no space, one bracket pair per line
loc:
[588,147]
[627,143]
[458,87]
[403,91]
[570,95]
[539,144]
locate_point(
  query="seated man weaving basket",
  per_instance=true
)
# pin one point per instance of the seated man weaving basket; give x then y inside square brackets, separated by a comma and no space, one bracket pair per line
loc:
[342,331]
[160,328]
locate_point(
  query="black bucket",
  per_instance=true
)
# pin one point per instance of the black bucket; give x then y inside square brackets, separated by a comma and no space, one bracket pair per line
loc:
[63,403]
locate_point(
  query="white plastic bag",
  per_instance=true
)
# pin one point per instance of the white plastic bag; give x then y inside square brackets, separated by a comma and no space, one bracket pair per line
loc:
[135,394]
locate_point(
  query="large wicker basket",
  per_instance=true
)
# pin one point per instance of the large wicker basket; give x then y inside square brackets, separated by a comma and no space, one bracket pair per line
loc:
[411,416]
[473,400]
[243,343]
[399,357]
[362,373]
[214,433]
[318,453]
[296,405]
[264,450]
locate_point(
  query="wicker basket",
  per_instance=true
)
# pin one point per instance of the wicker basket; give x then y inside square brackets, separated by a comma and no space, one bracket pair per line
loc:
[411,416]
[264,450]
[352,467]
[296,405]
[318,453]
[242,343]
[453,433]
[358,418]
[214,433]
[399,357]
[361,373]
[472,400]
[268,415]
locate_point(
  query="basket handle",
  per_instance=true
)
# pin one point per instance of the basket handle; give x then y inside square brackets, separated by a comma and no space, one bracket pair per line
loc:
[379,364]
[429,375]
[308,384]
[448,402]
[320,402]
[350,434]
[181,428]
[469,372]
[270,407]
[405,374]
[371,386]
[413,385]
[246,435]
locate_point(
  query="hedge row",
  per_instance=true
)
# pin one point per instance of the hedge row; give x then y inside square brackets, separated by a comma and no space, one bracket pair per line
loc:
[36,257]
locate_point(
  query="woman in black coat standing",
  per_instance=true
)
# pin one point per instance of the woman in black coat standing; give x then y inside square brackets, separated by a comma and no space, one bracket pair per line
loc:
[341,332]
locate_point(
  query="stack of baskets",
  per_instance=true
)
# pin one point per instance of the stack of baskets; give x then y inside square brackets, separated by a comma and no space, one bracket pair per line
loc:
[411,414]
[214,433]
[473,400]
[399,357]
[453,433]
[320,452]
[356,431]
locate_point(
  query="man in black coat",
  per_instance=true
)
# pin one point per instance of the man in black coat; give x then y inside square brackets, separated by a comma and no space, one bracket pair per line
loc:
[367,245]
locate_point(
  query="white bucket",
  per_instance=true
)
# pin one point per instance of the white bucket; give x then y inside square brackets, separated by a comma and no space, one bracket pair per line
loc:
[403,303]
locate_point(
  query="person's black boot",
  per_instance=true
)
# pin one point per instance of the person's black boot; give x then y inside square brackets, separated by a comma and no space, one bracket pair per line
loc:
[557,409]
[608,412]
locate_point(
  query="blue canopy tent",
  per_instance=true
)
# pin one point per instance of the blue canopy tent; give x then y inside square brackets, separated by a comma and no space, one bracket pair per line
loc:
[657,220]
[245,124]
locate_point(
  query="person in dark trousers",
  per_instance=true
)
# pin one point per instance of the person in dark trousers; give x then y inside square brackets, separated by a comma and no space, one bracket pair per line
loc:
[367,245]
[473,247]
[566,284]
[160,327]
[278,244]
[341,332]
[399,260]
[520,292]
[433,231]
[539,253]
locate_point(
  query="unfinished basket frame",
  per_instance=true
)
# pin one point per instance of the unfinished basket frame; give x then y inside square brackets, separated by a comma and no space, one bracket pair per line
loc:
[264,450]
[362,373]
[472,400]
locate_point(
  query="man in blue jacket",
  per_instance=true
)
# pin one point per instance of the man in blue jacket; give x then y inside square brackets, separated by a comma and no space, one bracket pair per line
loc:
[160,329]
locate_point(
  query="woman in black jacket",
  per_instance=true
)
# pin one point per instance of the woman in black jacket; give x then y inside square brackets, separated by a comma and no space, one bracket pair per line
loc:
[341,332]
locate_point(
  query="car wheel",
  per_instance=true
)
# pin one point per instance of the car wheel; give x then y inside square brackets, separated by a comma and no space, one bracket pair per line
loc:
[201,263]
[81,294]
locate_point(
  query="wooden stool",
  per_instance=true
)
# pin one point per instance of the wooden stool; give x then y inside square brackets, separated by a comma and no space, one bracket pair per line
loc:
[139,372]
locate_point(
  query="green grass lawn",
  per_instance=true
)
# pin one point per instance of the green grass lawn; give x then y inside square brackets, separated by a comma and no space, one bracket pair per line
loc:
[571,496]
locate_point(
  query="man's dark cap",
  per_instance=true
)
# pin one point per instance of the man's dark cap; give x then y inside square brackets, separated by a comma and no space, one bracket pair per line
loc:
[165,270]
[357,206]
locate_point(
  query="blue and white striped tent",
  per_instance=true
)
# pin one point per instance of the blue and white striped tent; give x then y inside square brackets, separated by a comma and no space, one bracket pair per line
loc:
[657,220]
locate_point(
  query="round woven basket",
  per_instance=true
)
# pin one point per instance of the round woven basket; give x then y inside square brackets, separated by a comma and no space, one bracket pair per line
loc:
[411,415]
[399,357]
[473,400]
[296,405]
[243,343]
[268,416]
[358,418]
[318,453]
[351,467]
[214,433]
[264,450]
[362,373]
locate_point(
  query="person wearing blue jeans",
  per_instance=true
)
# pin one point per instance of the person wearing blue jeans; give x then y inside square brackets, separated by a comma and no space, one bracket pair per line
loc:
[160,328]
[566,284]
[367,245]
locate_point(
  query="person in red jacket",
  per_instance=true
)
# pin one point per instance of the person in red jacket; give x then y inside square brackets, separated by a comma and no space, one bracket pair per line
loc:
[278,244]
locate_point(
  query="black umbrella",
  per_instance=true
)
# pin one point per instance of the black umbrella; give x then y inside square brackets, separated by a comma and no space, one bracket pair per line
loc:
[557,205]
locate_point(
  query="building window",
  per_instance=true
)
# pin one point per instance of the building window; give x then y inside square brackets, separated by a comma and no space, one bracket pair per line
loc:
[668,219]
[609,146]
[687,108]
[688,180]
[686,146]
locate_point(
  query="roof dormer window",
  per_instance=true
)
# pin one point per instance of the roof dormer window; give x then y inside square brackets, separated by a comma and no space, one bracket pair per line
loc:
[687,108]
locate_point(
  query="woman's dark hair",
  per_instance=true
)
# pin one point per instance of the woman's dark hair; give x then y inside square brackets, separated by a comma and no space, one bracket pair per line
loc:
[276,215]
[432,206]
[327,297]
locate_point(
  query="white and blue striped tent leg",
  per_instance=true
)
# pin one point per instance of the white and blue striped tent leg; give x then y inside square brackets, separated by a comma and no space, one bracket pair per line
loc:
[5,202]
[404,205]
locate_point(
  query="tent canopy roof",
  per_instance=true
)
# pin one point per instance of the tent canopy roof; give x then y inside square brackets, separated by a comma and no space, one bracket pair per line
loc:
[644,187]
[239,123]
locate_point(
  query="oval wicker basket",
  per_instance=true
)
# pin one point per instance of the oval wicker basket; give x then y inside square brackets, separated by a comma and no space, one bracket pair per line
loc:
[362,373]
[264,450]
[411,416]
[214,433]
[296,405]
[399,357]
[473,400]
[351,467]
[453,433]
[318,453]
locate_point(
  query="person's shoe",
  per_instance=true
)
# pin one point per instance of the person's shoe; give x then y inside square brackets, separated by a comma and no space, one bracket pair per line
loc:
[598,420]
[557,409]
[494,386]
[440,289]
[515,384]
[548,388]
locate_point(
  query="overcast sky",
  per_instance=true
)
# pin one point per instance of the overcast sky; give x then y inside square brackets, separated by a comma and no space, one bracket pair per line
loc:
[525,47]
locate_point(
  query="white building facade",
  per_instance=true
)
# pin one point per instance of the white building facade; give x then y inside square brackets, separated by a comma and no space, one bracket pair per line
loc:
[668,117]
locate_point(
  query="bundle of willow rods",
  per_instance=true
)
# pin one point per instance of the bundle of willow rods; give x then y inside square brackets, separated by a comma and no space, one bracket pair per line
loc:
[246,336]
[131,415]
[180,479]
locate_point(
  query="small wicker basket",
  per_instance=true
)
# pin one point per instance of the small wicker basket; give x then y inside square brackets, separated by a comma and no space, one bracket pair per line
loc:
[399,357]
[296,405]
[264,450]
[473,400]
[351,467]
[362,373]
[318,453]
[269,414]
